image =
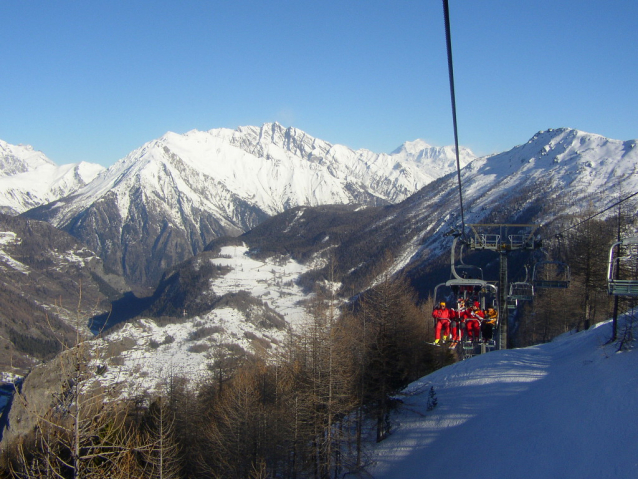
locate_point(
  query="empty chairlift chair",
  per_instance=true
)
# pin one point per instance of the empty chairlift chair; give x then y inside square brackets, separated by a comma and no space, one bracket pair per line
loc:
[522,291]
[623,268]
[551,274]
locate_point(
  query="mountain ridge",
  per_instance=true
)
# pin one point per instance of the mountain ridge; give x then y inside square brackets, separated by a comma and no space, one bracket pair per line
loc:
[29,179]
[167,199]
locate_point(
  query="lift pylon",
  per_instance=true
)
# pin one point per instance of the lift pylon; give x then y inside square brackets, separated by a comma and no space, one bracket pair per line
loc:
[503,238]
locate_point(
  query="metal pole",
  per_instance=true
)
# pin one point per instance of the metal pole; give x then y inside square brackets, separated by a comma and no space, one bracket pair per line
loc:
[614,328]
[503,315]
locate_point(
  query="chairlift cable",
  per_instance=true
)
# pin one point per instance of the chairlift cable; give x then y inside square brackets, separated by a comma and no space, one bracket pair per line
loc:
[596,214]
[448,39]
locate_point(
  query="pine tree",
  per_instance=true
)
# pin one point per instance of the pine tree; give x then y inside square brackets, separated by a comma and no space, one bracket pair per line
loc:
[432,400]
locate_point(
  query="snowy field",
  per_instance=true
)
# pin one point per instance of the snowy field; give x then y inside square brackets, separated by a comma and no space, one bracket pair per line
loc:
[566,409]
[154,353]
[268,281]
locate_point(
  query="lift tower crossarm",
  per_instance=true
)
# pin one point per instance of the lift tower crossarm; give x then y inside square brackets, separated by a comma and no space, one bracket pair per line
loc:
[500,240]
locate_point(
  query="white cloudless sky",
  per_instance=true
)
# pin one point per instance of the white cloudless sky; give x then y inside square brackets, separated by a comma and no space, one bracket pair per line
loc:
[91,81]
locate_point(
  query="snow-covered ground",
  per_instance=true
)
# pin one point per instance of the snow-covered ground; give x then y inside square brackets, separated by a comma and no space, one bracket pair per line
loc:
[150,353]
[7,263]
[271,282]
[566,409]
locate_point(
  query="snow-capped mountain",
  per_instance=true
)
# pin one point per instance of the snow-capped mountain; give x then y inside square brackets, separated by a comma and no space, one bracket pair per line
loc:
[165,201]
[242,294]
[15,159]
[29,179]
[557,173]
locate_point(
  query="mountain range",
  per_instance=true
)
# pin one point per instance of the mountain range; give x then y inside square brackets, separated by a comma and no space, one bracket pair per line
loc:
[29,179]
[166,200]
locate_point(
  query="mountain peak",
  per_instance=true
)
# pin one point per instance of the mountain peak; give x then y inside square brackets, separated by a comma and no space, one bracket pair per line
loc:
[20,158]
[412,147]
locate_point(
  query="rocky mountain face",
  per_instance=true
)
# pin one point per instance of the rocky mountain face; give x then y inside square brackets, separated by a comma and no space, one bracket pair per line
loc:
[29,179]
[50,286]
[165,201]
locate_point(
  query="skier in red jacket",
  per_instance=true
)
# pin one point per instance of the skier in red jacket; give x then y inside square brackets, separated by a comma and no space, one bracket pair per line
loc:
[473,323]
[442,316]
[458,324]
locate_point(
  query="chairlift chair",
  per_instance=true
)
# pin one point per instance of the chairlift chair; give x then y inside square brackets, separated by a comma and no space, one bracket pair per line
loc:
[521,290]
[622,287]
[461,286]
[452,290]
[551,274]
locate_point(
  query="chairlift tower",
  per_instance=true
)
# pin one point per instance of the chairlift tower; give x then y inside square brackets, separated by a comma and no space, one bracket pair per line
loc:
[503,238]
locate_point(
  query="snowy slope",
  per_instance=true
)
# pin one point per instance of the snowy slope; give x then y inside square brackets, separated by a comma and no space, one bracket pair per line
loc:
[564,409]
[29,179]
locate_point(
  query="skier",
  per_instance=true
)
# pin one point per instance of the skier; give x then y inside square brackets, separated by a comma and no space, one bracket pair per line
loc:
[458,324]
[473,324]
[442,315]
[487,325]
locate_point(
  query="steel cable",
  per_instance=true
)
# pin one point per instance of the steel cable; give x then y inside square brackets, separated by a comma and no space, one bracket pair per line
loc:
[448,40]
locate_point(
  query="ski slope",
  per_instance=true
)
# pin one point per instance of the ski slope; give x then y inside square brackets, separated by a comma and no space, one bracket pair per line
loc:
[566,409]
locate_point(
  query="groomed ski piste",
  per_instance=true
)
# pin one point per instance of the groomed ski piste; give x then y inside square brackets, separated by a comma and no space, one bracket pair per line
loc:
[565,409]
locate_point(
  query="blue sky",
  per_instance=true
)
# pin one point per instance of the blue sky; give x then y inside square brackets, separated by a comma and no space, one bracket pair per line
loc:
[93,80]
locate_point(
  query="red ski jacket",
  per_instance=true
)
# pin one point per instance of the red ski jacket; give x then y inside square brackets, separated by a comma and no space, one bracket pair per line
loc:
[443,313]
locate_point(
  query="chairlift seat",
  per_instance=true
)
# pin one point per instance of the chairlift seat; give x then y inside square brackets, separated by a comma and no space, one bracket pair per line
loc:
[558,271]
[555,284]
[467,282]
[621,287]
[521,292]
[521,297]
[468,345]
